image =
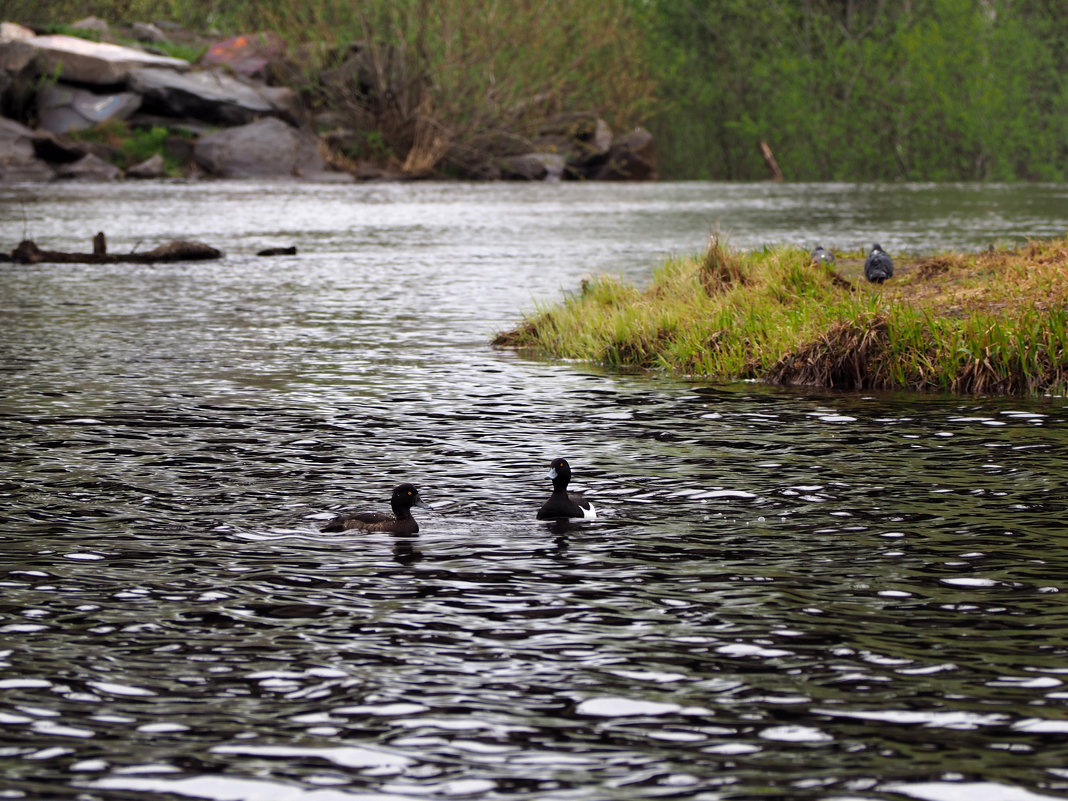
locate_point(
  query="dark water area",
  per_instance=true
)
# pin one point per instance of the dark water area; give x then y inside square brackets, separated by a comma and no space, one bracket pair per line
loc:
[787,594]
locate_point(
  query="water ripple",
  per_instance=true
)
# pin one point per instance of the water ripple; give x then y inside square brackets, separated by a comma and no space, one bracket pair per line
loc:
[787,594]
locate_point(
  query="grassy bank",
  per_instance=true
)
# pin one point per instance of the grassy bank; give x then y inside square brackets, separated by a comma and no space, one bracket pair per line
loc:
[993,322]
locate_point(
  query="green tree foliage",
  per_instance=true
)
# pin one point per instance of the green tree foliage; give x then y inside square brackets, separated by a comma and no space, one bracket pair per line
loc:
[861,89]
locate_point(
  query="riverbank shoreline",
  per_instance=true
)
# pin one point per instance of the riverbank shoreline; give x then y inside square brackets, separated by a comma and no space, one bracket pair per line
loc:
[95,100]
[993,322]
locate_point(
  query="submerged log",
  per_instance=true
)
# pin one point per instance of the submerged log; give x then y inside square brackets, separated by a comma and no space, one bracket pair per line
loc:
[27,252]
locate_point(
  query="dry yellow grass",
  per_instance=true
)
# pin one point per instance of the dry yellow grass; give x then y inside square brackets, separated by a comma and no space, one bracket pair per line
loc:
[988,322]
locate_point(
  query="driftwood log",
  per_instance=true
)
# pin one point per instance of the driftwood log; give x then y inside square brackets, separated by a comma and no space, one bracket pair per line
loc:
[27,252]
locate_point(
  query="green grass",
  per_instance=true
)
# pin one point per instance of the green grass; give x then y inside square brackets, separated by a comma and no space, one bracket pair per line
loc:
[132,144]
[186,52]
[994,322]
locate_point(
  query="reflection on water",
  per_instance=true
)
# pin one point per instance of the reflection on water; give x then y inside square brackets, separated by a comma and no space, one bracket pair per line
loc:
[789,594]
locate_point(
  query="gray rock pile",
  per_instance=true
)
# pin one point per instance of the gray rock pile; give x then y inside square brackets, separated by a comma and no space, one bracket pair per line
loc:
[229,118]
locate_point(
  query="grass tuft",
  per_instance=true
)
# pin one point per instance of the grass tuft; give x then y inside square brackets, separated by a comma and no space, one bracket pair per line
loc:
[995,322]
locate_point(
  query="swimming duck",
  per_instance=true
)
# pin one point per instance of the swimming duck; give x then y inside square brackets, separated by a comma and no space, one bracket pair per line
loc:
[401,521]
[878,266]
[823,256]
[561,503]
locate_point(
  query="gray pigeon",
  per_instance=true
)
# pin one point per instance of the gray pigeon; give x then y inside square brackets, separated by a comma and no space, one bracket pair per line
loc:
[823,256]
[878,266]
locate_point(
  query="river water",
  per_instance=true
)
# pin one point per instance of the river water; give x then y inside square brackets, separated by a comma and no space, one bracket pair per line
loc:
[796,595]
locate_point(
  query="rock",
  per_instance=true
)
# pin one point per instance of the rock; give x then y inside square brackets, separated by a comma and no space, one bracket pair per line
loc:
[591,150]
[57,149]
[632,157]
[151,167]
[528,167]
[279,251]
[89,168]
[18,72]
[94,24]
[18,159]
[267,147]
[583,140]
[555,164]
[602,136]
[16,58]
[62,108]
[249,54]
[213,95]
[147,32]
[533,167]
[81,61]
[13,32]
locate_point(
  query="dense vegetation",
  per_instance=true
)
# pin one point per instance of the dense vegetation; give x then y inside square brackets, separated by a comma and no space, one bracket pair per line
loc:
[840,89]
[993,322]
[929,90]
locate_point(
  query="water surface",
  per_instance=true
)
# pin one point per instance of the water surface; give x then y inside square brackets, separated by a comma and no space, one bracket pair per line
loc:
[788,594]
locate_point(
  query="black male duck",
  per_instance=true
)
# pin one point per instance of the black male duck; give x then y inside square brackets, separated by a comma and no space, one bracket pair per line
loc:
[401,521]
[562,503]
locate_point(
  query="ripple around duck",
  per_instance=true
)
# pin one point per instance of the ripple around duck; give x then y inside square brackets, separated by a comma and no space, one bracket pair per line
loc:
[789,594]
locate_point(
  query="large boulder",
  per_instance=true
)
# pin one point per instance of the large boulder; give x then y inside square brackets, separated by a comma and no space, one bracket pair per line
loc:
[265,148]
[18,159]
[81,61]
[583,140]
[62,108]
[632,157]
[592,148]
[212,95]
